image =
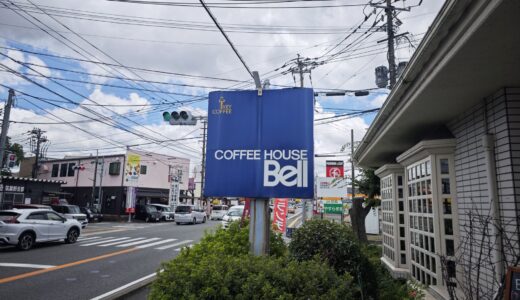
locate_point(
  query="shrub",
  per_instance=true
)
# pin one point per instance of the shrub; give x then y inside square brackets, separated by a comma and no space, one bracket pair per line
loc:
[335,244]
[249,277]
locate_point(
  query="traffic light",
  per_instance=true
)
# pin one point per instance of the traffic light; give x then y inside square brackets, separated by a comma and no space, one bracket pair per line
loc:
[179,118]
[11,160]
[382,77]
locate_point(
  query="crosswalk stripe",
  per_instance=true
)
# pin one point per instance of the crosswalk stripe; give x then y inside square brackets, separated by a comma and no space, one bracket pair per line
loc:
[138,242]
[105,241]
[99,239]
[156,243]
[81,239]
[179,249]
[174,245]
[120,242]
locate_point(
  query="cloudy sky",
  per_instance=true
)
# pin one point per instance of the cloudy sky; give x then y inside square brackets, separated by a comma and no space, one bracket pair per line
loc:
[97,74]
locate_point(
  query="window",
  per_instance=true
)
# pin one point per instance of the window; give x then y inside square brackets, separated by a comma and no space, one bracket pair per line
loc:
[143,170]
[401,219]
[450,248]
[53,217]
[401,232]
[401,206]
[71,170]
[446,186]
[444,166]
[403,245]
[55,170]
[446,203]
[399,180]
[37,216]
[63,170]
[114,168]
[448,227]
[450,266]
[403,258]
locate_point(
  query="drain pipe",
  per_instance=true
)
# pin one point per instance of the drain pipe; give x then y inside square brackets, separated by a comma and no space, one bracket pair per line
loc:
[488,143]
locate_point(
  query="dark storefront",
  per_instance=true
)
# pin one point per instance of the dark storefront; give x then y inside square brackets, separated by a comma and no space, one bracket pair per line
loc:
[22,190]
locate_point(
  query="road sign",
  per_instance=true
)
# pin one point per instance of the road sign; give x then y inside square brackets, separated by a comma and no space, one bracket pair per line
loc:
[260,146]
[334,168]
[333,208]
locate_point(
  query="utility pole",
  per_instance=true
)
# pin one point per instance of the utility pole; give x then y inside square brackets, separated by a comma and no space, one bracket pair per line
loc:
[390,31]
[37,135]
[352,160]
[100,191]
[94,180]
[300,70]
[5,126]
[203,169]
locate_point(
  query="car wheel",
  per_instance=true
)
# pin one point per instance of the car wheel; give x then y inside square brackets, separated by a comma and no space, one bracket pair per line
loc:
[204,220]
[194,221]
[26,241]
[72,236]
[178,223]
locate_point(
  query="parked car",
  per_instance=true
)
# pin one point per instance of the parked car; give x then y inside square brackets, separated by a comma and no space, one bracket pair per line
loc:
[189,214]
[31,206]
[72,212]
[93,214]
[166,212]
[147,212]
[218,212]
[234,214]
[25,227]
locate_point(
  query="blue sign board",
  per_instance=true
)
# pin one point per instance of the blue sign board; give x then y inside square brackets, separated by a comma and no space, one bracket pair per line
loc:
[260,146]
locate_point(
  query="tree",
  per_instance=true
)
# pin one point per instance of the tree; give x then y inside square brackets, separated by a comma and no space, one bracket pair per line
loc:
[368,184]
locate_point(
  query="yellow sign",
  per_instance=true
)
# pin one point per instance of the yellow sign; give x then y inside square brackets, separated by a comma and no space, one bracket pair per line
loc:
[133,167]
[223,109]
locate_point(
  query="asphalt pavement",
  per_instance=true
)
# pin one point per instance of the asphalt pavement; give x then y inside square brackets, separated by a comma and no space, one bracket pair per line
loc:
[107,256]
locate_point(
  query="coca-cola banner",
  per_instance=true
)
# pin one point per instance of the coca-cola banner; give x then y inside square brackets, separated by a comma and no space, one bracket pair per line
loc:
[280,214]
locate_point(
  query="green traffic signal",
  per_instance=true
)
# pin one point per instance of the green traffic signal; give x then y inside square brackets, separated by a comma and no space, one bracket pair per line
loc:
[166,116]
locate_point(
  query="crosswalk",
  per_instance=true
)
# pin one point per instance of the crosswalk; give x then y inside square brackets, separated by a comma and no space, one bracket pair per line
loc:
[137,242]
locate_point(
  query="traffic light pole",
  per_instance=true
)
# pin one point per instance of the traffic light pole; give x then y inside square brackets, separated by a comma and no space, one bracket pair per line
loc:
[391,51]
[94,180]
[5,127]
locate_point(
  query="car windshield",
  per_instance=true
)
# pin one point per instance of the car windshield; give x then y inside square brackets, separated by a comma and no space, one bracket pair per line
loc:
[235,213]
[73,209]
[183,209]
[151,209]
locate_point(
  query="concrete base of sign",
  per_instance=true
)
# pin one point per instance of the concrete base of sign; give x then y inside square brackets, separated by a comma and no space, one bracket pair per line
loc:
[259,226]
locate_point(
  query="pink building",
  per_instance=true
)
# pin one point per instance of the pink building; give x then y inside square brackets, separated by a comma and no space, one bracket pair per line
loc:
[150,173]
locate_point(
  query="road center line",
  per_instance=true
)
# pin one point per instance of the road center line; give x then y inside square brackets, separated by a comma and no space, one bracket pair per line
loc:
[59,267]
[33,266]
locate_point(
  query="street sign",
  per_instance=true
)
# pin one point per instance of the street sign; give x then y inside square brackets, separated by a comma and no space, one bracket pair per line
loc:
[335,187]
[333,208]
[260,146]
[334,168]
[280,214]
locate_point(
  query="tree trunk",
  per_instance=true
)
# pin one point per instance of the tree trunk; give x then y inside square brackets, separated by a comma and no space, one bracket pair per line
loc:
[358,214]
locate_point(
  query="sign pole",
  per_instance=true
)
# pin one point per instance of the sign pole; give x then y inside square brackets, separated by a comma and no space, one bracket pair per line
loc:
[259,226]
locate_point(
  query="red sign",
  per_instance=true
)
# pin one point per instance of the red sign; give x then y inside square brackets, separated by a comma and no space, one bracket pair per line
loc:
[280,214]
[130,210]
[247,208]
[335,168]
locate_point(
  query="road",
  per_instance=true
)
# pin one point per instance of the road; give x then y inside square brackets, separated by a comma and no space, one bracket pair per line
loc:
[107,256]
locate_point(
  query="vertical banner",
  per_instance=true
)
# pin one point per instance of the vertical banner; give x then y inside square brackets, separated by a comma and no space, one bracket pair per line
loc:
[130,200]
[133,169]
[280,214]
[335,168]
[247,208]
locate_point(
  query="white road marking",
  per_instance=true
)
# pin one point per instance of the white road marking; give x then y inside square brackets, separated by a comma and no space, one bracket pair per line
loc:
[105,241]
[120,242]
[81,239]
[33,266]
[174,245]
[156,243]
[138,242]
[99,239]
[120,291]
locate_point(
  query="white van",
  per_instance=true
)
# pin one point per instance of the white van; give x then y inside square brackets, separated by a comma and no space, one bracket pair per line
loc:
[218,212]
[234,214]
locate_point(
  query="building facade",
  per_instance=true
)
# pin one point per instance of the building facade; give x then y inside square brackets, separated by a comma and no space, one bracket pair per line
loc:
[446,147]
[23,190]
[150,173]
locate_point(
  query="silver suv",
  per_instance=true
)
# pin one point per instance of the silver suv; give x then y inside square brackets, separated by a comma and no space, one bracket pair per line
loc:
[25,227]
[72,212]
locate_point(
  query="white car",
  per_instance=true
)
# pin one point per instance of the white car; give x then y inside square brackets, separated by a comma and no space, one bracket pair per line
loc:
[189,214]
[218,212]
[25,227]
[166,212]
[234,214]
[72,212]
